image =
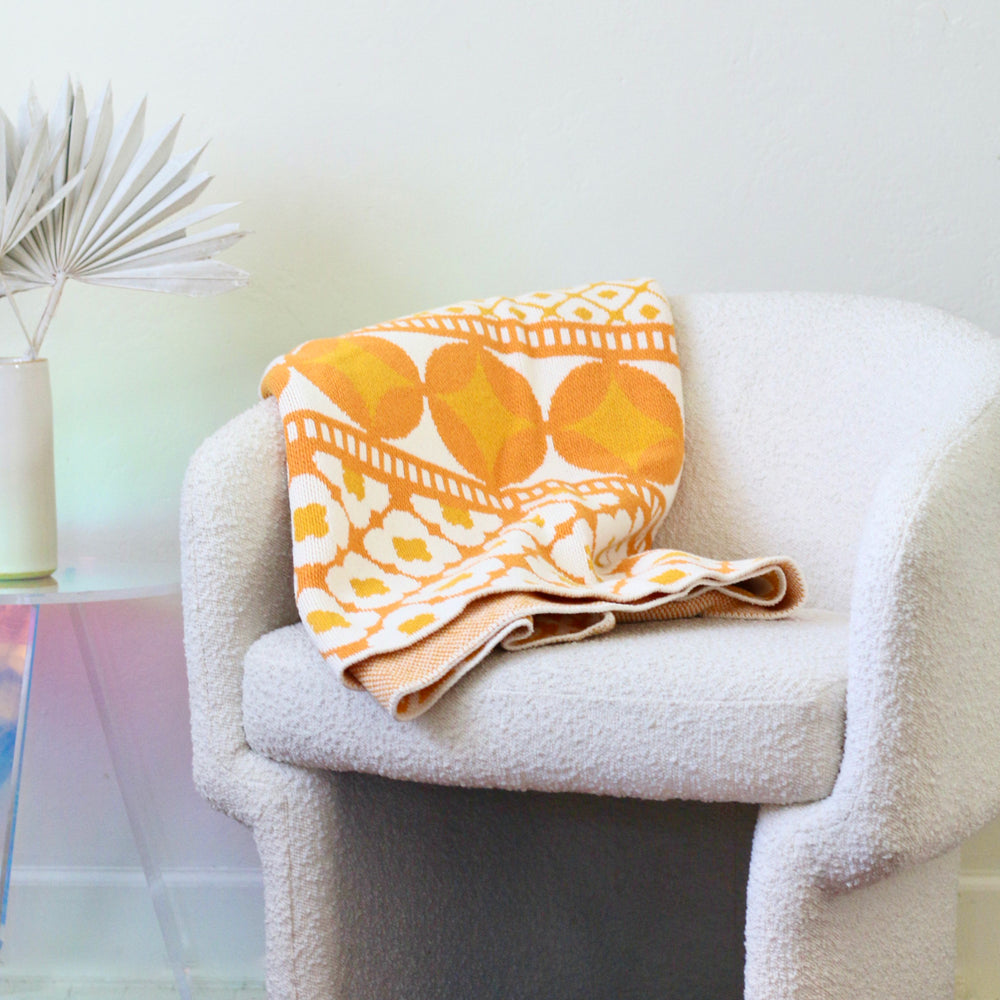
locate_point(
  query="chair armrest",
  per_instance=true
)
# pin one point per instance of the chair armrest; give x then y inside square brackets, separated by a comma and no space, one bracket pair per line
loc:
[237,582]
[921,765]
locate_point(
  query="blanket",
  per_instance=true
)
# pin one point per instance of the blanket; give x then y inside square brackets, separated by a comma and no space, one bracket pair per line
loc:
[493,474]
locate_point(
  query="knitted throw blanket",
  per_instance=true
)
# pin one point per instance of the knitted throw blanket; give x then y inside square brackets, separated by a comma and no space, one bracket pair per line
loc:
[494,473]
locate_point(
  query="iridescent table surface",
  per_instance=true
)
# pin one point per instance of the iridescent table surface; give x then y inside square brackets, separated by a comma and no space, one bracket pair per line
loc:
[90,575]
[94,578]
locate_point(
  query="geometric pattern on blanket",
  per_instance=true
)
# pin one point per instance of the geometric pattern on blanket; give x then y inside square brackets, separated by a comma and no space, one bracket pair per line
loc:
[492,473]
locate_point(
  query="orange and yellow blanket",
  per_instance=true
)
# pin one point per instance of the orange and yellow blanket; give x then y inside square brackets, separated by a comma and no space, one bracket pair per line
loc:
[493,473]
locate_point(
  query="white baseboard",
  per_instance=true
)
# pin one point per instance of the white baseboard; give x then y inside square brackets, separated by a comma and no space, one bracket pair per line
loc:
[978,975]
[78,924]
[99,923]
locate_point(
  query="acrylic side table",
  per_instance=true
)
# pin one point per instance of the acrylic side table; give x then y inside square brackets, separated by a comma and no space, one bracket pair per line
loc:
[87,580]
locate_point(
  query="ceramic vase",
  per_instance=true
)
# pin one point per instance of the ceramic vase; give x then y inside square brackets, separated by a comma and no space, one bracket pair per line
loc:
[27,472]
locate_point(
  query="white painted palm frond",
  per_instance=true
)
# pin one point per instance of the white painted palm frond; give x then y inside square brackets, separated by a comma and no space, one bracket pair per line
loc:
[32,180]
[100,203]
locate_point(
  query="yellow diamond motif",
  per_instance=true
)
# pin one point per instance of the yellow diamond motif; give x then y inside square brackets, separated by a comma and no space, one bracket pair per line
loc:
[369,374]
[620,427]
[489,422]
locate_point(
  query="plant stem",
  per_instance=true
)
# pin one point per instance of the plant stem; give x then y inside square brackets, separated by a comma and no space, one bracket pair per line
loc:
[50,308]
[17,312]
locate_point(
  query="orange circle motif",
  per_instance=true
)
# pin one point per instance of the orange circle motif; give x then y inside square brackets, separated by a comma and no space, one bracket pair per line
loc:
[616,418]
[372,380]
[486,414]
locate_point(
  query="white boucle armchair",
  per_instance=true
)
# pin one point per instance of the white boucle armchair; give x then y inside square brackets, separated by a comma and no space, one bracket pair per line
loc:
[860,437]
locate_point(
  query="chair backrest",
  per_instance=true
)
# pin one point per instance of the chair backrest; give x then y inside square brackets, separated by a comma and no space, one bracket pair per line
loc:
[795,405]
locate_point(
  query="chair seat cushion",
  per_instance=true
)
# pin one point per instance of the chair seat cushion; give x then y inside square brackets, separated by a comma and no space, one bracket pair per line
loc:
[715,710]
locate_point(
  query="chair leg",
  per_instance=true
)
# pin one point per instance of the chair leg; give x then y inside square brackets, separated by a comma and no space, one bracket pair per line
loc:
[892,940]
[295,839]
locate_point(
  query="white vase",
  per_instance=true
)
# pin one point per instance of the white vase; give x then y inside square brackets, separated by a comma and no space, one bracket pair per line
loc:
[27,471]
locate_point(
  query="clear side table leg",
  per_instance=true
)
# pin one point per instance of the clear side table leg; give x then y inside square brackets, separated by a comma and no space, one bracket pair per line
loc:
[134,786]
[18,626]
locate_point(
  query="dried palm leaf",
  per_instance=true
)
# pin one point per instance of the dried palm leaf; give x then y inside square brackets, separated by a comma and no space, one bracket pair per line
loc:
[110,217]
[32,179]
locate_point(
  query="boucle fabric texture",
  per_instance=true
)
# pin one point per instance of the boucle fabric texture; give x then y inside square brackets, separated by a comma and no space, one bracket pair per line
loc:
[753,711]
[493,473]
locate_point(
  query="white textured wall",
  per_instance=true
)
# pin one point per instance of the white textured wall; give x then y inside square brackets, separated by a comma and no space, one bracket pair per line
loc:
[397,155]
